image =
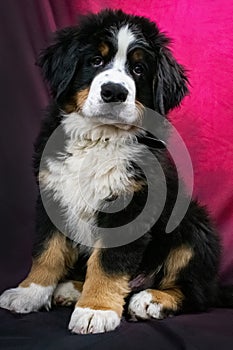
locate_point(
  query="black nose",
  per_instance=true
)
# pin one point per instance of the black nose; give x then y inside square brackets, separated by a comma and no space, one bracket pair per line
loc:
[111,92]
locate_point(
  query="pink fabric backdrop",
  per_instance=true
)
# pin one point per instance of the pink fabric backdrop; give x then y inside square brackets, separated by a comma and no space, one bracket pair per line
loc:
[202,42]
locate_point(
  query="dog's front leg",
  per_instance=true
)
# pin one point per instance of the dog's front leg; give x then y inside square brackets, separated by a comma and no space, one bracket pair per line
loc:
[100,306]
[47,269]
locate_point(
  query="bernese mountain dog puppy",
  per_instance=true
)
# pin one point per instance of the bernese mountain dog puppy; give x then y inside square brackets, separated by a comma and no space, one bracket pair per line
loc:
[104,74]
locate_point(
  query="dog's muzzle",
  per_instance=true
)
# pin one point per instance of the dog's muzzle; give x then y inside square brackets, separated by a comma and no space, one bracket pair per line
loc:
[112,97]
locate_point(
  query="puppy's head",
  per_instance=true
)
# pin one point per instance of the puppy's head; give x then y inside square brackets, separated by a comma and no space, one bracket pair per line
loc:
[111,66]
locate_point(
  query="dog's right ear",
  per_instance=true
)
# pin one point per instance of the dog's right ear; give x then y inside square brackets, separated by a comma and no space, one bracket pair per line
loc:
[59,61]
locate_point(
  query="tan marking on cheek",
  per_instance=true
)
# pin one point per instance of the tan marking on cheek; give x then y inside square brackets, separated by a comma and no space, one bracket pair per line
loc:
[76,102]
[71,106]
[104,49]
[81,97]
[53,263]
[177,260]
[102,291]
[170,299]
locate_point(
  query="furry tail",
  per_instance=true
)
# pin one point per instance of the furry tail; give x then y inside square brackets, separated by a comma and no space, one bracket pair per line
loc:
[225,297]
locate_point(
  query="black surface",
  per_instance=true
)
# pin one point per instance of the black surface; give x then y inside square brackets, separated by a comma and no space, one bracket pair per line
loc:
[48,330]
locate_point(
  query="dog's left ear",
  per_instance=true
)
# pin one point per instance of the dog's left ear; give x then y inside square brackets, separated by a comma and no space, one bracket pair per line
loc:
[59,61]
[170,83]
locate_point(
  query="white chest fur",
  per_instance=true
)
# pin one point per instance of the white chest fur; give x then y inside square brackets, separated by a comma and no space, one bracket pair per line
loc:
[97,168]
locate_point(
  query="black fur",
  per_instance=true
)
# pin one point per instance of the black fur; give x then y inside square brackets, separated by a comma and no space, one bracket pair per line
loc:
[198,281]
[164,90]
[60,60]
[65,66]
[170,82]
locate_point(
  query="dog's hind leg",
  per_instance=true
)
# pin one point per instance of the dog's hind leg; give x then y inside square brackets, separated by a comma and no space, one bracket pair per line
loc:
[67,293]
[151,303]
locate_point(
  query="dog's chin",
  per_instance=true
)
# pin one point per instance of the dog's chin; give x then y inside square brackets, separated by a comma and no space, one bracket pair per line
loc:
[114,120]
[124,118]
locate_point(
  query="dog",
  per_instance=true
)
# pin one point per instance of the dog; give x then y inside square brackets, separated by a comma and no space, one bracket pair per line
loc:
[104,74]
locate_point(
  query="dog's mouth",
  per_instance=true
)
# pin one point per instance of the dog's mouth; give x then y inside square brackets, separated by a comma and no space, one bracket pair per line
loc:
[110,120]
[123,115]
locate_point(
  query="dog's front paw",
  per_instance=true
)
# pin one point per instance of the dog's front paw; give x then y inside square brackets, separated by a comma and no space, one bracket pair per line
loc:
[86,320]
[26,299]
[141,306]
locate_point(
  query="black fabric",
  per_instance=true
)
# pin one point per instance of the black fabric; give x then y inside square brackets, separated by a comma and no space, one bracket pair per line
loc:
[48,330]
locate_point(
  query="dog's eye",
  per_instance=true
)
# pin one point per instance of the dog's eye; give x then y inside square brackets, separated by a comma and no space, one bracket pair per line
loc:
[138,69]
[97,61]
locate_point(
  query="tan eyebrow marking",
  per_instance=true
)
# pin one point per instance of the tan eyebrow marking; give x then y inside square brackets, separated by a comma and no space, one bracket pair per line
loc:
[104,49]
[138,55]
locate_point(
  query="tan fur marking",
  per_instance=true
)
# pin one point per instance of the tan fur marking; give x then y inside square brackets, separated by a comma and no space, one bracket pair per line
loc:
[171,299]
[53,263]
[76,103]
[177,259]
[77,285]
[104,49]
[102,291]
[81,97]
[71,106]
[43,177]
[138,55]
[140,109]
[136,186]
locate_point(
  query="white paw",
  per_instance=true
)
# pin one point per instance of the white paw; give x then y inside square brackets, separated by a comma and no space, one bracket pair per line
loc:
[141,306]
[65,294]
[85,320]
[27,299]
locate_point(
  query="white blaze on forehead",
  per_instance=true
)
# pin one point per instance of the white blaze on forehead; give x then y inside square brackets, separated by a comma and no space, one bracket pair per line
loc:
[124,38]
